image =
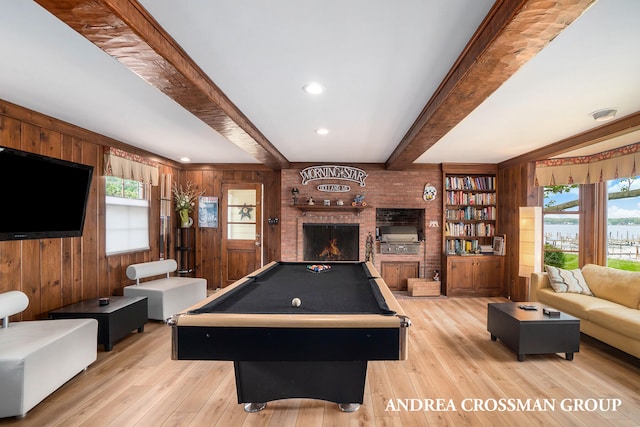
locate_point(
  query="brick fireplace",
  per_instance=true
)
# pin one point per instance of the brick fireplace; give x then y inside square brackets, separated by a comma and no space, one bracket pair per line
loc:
[384,189]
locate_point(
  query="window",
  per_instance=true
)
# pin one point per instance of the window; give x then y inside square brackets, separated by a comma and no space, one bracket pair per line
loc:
[623,224]
[561,225]
[126,216]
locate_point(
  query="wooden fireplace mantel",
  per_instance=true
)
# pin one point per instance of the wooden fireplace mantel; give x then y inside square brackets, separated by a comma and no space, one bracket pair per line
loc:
[322,208]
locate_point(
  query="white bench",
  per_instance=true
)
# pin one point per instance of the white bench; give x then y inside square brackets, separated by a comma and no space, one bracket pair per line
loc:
[168,295]
[37,357]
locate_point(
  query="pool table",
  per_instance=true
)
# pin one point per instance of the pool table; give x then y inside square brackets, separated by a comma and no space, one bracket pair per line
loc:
[316,349]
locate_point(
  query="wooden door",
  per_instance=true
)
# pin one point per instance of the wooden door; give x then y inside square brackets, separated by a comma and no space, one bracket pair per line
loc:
[241,222]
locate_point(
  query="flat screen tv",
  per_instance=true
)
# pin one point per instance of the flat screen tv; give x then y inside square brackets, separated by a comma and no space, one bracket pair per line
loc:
[42,197]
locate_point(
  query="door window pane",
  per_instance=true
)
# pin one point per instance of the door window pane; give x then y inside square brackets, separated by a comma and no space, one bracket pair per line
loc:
[241,215]
[241,231]
[241,197]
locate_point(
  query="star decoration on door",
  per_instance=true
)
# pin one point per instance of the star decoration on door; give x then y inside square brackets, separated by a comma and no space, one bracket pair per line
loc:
[245,212]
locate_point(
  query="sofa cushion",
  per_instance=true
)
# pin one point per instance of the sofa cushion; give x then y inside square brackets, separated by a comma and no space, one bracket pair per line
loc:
[625,321]
[570,281]
[614,285]
[577,305]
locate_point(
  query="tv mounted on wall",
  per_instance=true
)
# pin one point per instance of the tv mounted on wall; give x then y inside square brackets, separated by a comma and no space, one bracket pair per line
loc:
[42,197]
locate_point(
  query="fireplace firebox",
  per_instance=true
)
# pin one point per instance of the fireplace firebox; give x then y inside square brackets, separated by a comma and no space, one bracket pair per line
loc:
[331,242]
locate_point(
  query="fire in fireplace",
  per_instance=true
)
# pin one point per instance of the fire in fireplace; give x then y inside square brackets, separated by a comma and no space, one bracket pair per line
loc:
[331,242]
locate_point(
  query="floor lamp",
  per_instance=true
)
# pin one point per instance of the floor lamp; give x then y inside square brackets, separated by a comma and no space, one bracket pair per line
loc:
[530,248]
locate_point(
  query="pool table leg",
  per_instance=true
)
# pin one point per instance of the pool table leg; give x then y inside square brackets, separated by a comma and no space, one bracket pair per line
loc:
[349,407]
[254,407]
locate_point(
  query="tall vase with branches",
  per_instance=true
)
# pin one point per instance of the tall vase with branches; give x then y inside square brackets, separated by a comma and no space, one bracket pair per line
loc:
[185,202]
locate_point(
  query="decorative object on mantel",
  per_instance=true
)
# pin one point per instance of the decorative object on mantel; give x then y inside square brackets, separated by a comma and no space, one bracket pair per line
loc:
[310,201]
[185,202]
[429,193]
[340,202]
[327,202]
[359,200]
[294,193]
[368,251]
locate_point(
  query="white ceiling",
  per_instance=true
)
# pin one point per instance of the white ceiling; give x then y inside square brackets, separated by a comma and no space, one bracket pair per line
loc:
[380,61]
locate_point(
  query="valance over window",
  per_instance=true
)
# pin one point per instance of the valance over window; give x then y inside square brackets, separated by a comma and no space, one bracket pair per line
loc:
[129,166]
[612,164]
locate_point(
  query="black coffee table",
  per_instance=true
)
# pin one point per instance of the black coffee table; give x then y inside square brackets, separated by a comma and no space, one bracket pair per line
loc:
[533,332]
[115,320]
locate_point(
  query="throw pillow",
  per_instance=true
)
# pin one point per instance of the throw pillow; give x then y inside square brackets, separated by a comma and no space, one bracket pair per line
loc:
[570,281]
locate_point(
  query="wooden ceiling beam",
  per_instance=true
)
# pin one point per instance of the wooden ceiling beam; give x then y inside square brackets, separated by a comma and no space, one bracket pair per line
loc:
[127,32]
[513,32]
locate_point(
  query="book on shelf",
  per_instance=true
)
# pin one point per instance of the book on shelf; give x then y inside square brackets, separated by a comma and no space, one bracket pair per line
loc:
[482,183]
[471,213]
[480,229]
[459,197]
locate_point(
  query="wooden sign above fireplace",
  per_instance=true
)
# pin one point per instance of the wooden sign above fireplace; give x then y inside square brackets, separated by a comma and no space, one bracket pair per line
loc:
[346,173]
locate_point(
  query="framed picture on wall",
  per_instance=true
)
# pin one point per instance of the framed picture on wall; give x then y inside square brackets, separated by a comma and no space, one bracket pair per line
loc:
[499,245]
[207,212]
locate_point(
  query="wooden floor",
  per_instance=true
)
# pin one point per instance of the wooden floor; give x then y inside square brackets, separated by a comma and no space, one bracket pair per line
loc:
[452,358]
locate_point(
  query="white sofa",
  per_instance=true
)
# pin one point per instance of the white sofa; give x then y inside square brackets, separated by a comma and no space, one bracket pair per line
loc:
[39,356]
[168,295]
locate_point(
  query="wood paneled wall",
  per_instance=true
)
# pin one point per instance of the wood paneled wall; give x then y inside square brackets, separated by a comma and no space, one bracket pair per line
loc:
[515,189]
[210,178]
[57,272]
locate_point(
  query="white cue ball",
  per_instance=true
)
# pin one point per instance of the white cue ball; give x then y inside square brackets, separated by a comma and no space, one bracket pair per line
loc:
[296,302]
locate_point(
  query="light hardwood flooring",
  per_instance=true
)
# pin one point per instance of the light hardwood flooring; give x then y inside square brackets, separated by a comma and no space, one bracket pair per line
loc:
[451,358]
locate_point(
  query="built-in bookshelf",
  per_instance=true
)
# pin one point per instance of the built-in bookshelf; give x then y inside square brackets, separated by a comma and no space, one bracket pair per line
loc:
[469,213]
[470,216]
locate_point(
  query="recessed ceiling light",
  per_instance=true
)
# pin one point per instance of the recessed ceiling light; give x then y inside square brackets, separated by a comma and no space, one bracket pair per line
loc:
[604,115]
[322,131]
[185,159]
[313,88]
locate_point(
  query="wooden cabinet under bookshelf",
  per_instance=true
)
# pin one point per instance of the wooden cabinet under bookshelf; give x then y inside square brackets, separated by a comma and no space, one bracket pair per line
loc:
[474,276]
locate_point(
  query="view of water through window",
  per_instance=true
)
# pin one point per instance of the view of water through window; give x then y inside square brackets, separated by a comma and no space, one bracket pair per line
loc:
[561,225]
